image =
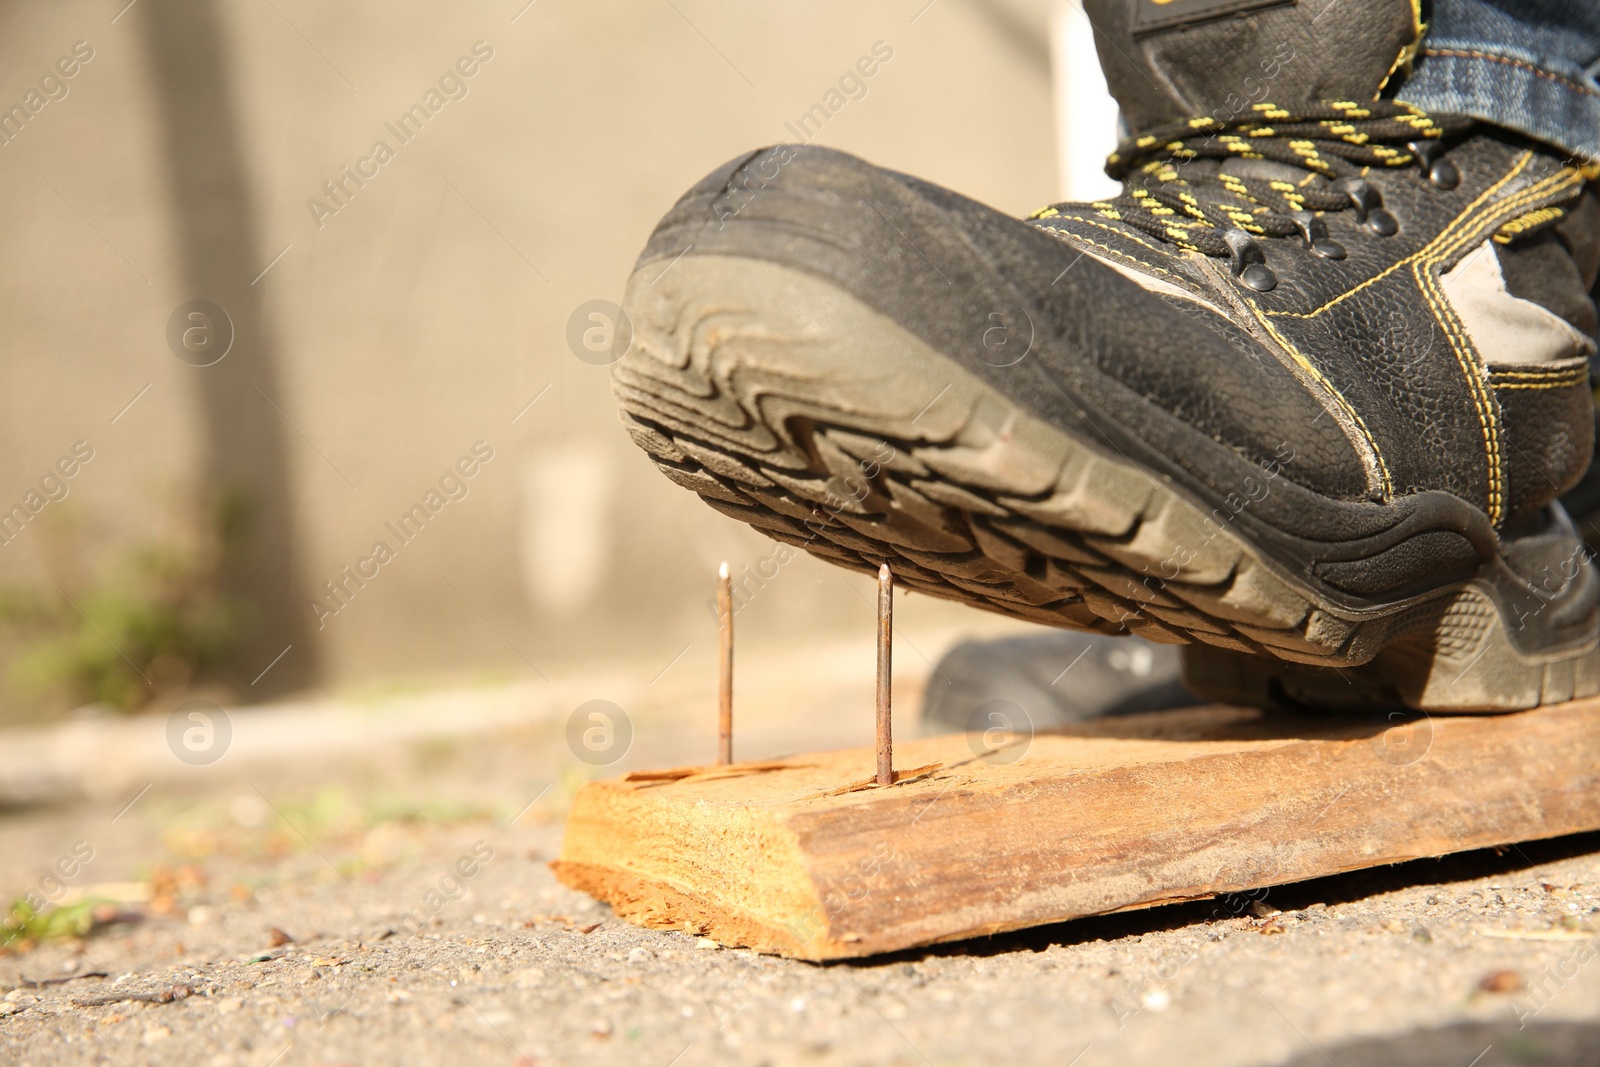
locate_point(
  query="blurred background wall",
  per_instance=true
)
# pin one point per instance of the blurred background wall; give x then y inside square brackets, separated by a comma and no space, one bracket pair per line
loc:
[392,309]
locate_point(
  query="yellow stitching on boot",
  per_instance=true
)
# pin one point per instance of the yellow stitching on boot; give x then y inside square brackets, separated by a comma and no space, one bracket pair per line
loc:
[1514,228]
[1069,238]
[1408,54]
[1488,425]
[1529,378]
[1503,371]
[1561,368]
[1425,249]
[1440,248]
[1344,405]
[1109,229]
[1504,387]
[1473,231]
[1559,378]
[1472,368]
[1467,226]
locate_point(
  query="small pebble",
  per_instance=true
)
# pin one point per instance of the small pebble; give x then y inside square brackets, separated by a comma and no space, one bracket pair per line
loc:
[1501,982]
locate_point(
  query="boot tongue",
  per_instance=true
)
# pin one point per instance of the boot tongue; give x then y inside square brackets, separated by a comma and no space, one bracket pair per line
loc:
[1168,60]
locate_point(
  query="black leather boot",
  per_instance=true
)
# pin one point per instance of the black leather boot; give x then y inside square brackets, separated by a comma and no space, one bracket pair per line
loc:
[1303,395]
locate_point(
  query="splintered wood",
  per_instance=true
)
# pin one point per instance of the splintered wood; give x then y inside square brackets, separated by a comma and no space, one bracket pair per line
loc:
[808,857]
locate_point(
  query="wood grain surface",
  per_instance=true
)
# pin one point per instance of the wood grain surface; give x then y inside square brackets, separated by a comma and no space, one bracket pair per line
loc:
[808,857]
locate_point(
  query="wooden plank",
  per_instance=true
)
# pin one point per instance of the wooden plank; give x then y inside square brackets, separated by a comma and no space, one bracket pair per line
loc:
[806,857]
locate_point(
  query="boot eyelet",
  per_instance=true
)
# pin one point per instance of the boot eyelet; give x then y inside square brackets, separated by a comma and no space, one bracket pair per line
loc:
[1368,205]
[1259,277]
[1382,223]
[1441,172]
[1249,263]
[1314,231]
[1363,197]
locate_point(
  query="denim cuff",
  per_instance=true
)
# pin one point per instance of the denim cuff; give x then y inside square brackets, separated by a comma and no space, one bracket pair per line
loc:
[1558,103]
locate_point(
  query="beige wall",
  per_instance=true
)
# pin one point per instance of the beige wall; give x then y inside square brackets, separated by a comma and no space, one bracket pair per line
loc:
[431,308]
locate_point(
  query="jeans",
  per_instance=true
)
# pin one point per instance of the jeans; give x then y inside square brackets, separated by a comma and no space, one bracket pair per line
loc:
[1526,65]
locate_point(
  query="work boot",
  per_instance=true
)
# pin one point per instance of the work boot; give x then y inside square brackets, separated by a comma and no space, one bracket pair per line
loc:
[1047,680]
[1582,501]
[1302,396]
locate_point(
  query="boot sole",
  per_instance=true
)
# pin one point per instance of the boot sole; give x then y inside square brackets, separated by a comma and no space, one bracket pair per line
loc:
[788,404]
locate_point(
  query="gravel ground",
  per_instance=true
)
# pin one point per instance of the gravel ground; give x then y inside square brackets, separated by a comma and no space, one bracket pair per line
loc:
[397,908]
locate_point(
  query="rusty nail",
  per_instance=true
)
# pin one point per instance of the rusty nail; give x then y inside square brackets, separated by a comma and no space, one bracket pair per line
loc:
[725,665]
[885,655]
